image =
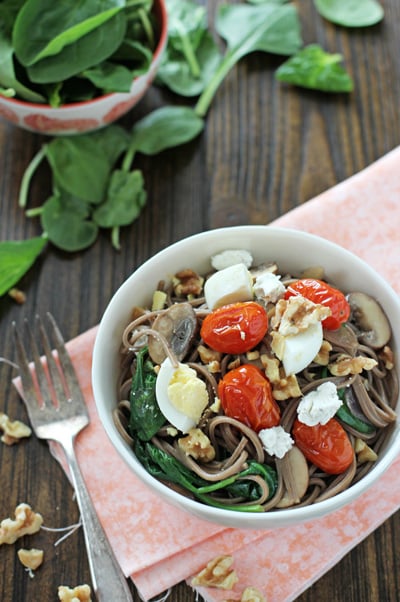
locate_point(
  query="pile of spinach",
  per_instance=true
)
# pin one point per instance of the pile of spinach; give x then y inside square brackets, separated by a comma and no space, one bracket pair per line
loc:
[166,468]
[94,184]
[62,52]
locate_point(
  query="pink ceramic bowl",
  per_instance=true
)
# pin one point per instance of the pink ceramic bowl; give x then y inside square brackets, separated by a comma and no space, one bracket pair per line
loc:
[90,115]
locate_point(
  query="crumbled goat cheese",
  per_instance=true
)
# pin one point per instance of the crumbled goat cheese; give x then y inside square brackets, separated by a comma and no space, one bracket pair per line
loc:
[276,441]
[269,287]
[231,257]
[320,405]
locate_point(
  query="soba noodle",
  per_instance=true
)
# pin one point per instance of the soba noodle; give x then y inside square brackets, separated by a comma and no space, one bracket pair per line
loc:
[371,394]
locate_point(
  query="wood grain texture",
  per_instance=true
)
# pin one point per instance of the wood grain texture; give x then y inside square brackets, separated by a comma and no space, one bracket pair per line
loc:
[266,149]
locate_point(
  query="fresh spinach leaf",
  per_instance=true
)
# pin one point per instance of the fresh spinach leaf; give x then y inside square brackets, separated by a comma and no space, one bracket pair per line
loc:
[87,51]
[351,13]
[165,128]
[265,27]
[79,167]
[16,258]
[146,418]
[186,26]
[65,226]
[43,28]
[314,68]
[9,81]
[109,77]
[176,74]
[125,199]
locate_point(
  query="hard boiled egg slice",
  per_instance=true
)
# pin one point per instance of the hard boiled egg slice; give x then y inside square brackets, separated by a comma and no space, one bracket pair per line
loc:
[230,285]
[300,349]
[181,395]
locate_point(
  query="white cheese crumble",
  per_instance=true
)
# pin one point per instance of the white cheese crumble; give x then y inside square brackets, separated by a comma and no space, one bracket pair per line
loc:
[268,286]
[276,441]
[230,257]
[320,405]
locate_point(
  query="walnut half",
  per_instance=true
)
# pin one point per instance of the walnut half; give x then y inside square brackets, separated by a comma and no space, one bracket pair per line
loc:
[80,593]
[217,573]
[26,522]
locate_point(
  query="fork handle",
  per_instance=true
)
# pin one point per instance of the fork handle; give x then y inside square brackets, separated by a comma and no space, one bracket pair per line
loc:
[108,580]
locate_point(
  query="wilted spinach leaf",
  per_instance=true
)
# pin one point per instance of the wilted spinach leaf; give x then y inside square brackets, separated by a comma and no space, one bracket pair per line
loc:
[314,68]
[351,13]
[146,418]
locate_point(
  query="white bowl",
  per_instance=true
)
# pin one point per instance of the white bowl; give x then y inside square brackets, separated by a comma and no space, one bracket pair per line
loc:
[293,251]
[89,115]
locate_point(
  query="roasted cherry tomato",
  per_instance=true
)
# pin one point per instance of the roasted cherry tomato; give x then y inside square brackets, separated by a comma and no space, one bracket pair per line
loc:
[246,395]
[235,328]
[325,445]
[321,292]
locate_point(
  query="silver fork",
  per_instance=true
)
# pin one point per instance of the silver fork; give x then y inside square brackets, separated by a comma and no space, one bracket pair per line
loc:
[57,411]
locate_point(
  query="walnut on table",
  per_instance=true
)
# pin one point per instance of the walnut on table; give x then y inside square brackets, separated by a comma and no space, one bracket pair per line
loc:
[80,593]
[14,430]
[31,559]
[26,522]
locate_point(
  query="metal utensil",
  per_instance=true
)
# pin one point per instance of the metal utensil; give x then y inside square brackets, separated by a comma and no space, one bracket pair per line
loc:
[57,411]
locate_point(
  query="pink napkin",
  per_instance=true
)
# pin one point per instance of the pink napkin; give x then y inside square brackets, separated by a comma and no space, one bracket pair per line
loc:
[157,545]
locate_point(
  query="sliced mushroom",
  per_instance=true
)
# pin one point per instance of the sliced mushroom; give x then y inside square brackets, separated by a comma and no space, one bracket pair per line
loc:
[342,338]
[295,476]
[178,325]
[369,318]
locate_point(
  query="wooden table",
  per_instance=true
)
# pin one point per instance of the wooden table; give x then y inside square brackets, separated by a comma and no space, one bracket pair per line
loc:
[266,149]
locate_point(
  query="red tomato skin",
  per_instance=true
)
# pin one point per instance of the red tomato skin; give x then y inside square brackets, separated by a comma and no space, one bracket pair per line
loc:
[321,292]
[325,445]
[246,395]
[223,328]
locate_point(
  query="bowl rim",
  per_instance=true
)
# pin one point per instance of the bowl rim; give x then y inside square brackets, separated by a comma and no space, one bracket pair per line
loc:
[274,518]
[160,8]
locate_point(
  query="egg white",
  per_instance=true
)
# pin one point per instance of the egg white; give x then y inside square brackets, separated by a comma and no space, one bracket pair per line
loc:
[300,349]
[177,418]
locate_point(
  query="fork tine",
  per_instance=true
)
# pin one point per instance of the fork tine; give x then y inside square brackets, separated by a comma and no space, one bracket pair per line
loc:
[54,372]
[23,364]
[66,363]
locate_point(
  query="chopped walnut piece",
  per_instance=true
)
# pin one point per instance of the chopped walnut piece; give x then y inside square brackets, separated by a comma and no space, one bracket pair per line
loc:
[251,594]
[217,573]
[13,430]
[187,283]
[296,314]
[17,295]
[286,388]
[278,344]
[80,593]
[345,364]
[210,358]
[197,445]
[26,522]
[387,357]
[31,559]
[322,357]
[271,368]
[364,452]
[234,363]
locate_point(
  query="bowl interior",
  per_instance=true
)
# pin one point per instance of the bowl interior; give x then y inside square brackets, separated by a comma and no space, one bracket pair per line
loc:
[293,251]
